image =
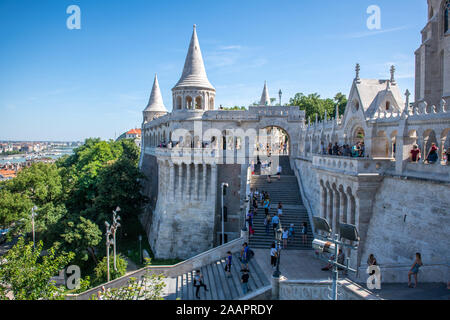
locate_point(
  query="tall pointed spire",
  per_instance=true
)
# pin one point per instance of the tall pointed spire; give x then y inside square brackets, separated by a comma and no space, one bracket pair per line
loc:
[194,73]
[265,98]
[156,101]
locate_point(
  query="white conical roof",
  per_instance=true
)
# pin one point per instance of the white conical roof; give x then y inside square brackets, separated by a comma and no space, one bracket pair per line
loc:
[265,98]
[194,74]
[156,101]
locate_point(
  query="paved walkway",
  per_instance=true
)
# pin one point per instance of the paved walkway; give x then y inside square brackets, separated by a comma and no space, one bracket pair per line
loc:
[424,291]
[294,264]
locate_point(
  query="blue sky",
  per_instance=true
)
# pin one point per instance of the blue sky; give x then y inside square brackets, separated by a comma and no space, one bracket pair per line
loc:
[61,84]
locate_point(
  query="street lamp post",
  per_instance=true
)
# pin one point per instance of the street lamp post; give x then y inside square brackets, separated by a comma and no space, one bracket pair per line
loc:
[280,94]
[108,244]
[279,233]
[223,219]
[114,227]
[33,214]
[140,248]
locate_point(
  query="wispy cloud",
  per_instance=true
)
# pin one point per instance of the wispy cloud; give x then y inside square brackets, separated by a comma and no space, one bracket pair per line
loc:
[231,47]
[358,35]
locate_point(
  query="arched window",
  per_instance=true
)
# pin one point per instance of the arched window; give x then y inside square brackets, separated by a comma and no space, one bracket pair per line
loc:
[198,103]
[388,105]
[211,103]
[179,103]
[188,102]
[446,9]
[356,105]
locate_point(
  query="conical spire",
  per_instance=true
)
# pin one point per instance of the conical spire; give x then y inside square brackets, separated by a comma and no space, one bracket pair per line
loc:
[156,101]
[265,99]
[194,74]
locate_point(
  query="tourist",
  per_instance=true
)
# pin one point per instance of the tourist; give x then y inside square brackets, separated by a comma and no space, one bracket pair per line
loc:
[266,206]
[340,260]
[244,256]
[335,149]
[280,209]
[330,149]
[347,151]
[244,281]
[432,156]
[267,221]
[322,148]
[362,149]
[198,283]
[415,154]
[304,232]
[273,256]
[275,222]
[371,261]
[415,270]
[228,264]
[285,237]
[291,232]
[447,156]
[268,179]
[285,148]
[279,169]
[249,220]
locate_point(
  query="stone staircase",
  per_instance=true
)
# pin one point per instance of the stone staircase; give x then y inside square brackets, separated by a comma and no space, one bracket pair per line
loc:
[220,287]
[287,192]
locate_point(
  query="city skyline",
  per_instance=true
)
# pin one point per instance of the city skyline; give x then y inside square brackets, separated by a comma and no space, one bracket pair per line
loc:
[95,82]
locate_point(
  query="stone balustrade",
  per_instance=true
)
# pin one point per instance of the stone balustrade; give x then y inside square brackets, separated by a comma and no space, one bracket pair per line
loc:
[422,170]
[352,166]
[186,266]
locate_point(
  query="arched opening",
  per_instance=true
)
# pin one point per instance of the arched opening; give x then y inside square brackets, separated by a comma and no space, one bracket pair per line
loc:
[189,103]
[380,145]
[198,103]
[358,135]
[393,144]
[429,137]
[274,141]
[179,103]
[211,103]
[356,105]
[388,105]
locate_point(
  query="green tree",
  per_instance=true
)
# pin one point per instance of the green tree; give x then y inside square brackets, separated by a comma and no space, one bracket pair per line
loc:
[341,100]
[27,273]
[81,237]
[101,269]
[312,104]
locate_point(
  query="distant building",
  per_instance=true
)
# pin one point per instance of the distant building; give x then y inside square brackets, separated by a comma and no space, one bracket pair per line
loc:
[134,134]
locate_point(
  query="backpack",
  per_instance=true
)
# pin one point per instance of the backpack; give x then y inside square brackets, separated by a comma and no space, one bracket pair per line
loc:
[251,254]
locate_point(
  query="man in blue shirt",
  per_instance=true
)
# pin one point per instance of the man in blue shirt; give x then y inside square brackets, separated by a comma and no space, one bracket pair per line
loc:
[275,222]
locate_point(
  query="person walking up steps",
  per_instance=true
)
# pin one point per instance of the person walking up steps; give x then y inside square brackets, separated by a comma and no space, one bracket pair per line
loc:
[266,206]
[285,237]
[280,209]
[244,256]
[275,222]
[228,264]
[198,283]
[304,232]
[244,281]
[291,232]
[273,256]
[279,169]
[267,222]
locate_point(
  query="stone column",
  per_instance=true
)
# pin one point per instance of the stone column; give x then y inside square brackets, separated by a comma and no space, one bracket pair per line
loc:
[343,206]
[188,182]
[205,171]
[323,202]
[213,183]
[172,181]
[180,179]
[195,197]
[336,210]
[275,288]
[330,210]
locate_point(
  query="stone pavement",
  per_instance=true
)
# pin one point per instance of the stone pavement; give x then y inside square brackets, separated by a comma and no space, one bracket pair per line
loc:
[424,291]
[294,264]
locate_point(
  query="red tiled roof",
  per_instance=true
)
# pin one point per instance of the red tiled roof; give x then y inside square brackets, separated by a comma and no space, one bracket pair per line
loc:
[134,131]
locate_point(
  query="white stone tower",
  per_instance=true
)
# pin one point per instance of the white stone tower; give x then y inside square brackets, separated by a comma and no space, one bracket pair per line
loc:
[265,98]
[155,107]
[193,91]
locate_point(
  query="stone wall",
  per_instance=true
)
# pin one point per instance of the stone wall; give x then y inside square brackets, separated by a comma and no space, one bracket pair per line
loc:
[410,216]
[310,184]
[149,168]
[320,290]
[231,174]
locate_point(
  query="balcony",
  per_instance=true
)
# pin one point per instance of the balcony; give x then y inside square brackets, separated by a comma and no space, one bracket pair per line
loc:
[353,166]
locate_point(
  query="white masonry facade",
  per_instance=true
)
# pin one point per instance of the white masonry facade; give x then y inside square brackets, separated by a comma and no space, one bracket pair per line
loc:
[399,207]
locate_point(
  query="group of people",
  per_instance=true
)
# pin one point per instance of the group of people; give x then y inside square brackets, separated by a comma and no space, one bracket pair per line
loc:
[357,151]
[432,155]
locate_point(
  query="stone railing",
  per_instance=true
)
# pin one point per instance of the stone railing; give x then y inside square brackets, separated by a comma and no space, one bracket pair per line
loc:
[352,166]
[186,266]
[427,171]
[320,290]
